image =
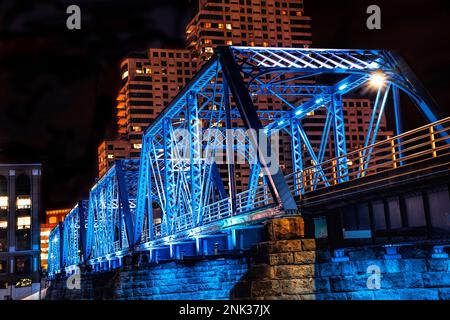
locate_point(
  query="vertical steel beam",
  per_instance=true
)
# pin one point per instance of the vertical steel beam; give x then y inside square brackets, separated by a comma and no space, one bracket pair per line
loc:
[149,193]
[143,192]
[60,247]
[398,120]
[195,154]
[124,204]
[340,143]
[169,179]
[90,227]
[297,157]
[82,219]
[276,181]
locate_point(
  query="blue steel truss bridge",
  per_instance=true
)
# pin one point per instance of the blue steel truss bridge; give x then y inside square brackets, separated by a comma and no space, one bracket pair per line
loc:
[177,197]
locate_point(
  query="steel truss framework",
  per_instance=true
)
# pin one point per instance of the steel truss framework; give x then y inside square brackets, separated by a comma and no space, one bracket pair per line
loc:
[179,176]
[111,212]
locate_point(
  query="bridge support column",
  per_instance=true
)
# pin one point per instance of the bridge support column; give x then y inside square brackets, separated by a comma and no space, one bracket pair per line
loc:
[212,245]
[233,240]
[185,249]
[161,254]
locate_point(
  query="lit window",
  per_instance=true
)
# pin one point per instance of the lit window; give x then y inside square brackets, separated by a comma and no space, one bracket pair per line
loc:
[208,41]
[221,25]
[299,14]
[23,202]
[252,43]
[23,223]
[209,50]
[3,224]
[110,156]
[138,71]
[148,70]
[53,220]
[265,44]
[229,43]
[125,74]
[137,146]
[310,113]
[4,202]
[284,12]
[137,129]
[228,26]
[207,25]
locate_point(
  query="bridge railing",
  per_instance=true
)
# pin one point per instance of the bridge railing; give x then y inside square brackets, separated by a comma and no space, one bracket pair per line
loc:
[253,199]
[246,201]
[410,148]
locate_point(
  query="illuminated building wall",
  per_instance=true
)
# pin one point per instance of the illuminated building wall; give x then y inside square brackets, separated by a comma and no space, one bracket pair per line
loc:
[109,151]
[19,230]
[268,23]
[52,218]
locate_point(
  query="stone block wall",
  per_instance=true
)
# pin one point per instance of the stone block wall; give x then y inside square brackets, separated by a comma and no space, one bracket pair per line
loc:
[304,270]
[190,279]
[286,267]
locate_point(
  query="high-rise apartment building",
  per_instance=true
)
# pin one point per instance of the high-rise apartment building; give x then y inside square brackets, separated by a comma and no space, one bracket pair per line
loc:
[149,82]
[268,23]
[19,230]
[52,218]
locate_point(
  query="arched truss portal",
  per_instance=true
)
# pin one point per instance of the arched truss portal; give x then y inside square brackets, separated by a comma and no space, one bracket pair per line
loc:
[55,263]
[224,91]
[111,212]
[74,239]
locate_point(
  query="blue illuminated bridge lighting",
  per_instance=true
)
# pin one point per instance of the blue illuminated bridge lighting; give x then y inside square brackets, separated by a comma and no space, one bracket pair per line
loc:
[177,193]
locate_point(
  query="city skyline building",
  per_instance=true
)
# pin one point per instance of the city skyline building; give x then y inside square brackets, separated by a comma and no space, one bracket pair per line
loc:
[149,82]
[20,186]
[260,23]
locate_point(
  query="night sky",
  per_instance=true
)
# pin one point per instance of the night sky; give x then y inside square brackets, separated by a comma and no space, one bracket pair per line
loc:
[58,87]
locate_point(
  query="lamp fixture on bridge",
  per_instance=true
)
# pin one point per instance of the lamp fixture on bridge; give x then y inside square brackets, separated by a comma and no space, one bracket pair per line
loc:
[377,80]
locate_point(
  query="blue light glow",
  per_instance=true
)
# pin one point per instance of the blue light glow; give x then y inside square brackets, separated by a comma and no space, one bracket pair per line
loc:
[343,87]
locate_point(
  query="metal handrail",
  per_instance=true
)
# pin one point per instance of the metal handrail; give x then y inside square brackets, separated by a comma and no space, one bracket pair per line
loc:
[391,153]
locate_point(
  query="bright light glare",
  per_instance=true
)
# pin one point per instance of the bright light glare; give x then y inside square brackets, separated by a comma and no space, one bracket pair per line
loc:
[343,87]
[377,80]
